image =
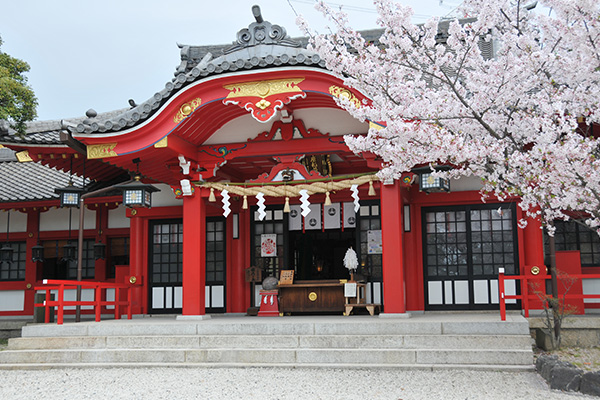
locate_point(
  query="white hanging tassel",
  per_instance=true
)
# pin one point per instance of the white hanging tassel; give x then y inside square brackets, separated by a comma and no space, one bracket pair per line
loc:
[245,203]
[226,203]
[212,197]
[354,190]
[371,189]
[305,206]
[286,207]
[327,199]
[260,201]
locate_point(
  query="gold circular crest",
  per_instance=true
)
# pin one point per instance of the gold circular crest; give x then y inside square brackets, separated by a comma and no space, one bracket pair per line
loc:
[186,109]
[312,296]
[535,270]
[263,89]
[132,280]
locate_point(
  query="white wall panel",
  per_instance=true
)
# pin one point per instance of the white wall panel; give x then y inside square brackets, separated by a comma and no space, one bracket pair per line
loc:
[12,300]
[480,291]
[57,219]
[218,296]
[178,297]
[434,292]
[461,292]
[117,218]
[591,286]
[18,222]
[158,300]
[165,197]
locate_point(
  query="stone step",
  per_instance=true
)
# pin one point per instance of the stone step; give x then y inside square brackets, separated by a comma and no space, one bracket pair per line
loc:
[267,356]
[276,341]
[281,326]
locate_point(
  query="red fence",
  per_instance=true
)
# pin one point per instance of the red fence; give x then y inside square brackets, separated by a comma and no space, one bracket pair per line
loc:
[60,303]
[533,285]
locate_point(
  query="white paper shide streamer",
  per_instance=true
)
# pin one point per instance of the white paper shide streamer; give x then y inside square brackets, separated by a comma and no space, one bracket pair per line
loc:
[354,190]
[226,203]
[305,204]
[351,260]
[260,201]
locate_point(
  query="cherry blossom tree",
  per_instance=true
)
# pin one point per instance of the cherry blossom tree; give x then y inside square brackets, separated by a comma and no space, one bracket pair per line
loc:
[518,116]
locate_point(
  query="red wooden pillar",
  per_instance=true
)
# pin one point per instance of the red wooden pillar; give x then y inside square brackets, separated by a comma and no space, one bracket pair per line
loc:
[194,255]
[533,255]
[136,263]
[238,298]
[394,301]
[33,219]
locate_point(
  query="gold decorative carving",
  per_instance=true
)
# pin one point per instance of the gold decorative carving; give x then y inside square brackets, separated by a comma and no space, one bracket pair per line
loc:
[101,150]
[161,143]
[264,88]
[186,109]
[343,93]
[535,270]
[262,104]
[312,296]
[23,156]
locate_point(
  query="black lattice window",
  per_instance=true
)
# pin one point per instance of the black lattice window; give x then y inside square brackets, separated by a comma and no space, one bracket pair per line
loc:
[88,264]
[167,253]
[215,250]
[273,223]
[370,220]
[118,254]
[492,241]
[570,235]
[446,241]
[15,270]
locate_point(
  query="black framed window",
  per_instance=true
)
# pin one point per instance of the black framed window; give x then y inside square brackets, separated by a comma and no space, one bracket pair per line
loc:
[15,270]
[167,252]
[56,267]
[273,223]
[371,265]
[118,254]
[570,235]
[215,250]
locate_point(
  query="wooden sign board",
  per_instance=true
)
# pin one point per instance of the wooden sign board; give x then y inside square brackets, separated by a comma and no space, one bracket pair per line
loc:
[253,274]
[286,277]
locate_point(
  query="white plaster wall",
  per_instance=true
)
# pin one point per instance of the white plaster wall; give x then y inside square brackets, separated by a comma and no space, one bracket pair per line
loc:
[18,222]
[117,218]
[465,183]
[165,197]
[327,120]
[57,219]
[12,300]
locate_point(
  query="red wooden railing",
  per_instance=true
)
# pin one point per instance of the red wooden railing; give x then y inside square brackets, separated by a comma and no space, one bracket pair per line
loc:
[528,294]
[60,303]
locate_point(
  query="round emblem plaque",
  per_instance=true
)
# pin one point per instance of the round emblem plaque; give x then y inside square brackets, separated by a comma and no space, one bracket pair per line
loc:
[312,296]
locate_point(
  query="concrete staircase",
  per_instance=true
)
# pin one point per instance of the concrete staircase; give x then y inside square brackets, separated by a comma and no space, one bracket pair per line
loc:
[473,341]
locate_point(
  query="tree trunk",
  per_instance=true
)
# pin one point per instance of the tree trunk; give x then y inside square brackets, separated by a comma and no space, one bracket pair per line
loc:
[554,285]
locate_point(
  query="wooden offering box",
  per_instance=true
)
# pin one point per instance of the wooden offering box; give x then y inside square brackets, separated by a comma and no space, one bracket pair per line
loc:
[319,296]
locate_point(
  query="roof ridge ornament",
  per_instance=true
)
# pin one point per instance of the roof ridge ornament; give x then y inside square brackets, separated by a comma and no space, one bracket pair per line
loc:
[261,32]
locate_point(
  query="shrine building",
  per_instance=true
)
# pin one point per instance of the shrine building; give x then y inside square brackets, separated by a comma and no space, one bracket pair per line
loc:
[245,152]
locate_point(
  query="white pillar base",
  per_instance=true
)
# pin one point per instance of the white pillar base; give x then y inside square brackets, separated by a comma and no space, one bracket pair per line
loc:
[192,317]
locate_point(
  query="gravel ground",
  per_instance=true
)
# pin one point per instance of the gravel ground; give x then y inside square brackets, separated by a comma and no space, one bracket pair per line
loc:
[273,383]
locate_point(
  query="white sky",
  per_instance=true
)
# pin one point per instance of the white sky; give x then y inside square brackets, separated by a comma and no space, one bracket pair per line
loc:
[99,54]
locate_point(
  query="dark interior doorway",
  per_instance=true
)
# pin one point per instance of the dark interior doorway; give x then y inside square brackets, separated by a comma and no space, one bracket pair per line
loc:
[320,255]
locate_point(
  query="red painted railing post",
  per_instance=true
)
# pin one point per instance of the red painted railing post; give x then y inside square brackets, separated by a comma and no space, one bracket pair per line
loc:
[98,300]
[47,307]
[525,292]
[117,302]
[128,302]
[61,304]
[501,294]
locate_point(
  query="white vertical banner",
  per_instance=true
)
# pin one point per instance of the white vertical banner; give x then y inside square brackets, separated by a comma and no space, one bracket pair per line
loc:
[268,245]
[349,215]
[331,216]
[295,218]
[313,220]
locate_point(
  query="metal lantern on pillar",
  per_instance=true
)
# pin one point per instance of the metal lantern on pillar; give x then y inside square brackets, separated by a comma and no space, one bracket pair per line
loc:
[137,193]
[429,183]
[37,253]
[99,251]
[69,252]
[6,252]
[69,196]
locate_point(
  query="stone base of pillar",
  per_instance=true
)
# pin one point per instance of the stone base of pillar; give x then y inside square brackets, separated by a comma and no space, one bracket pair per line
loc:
[394,315]
[191,317]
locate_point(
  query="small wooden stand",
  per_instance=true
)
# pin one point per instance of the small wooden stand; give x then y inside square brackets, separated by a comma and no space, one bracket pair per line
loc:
[359,301]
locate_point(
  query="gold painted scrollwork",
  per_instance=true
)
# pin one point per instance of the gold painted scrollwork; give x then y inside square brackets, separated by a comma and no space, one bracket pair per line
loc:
[101,150]
[343,93]
[263,88]
[186,109]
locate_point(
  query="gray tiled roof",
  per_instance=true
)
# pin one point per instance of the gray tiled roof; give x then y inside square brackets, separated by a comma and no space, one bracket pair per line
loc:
[28,181]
